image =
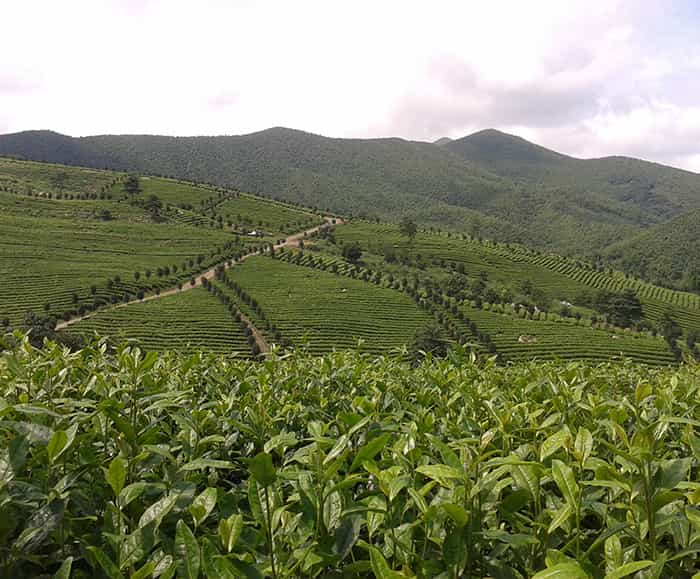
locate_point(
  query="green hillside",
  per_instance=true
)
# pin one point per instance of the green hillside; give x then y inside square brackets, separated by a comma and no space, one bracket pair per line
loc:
[80,248]
[648,192]
[668,253]
[71,239]
[183,322]
[488,184]
[323,312]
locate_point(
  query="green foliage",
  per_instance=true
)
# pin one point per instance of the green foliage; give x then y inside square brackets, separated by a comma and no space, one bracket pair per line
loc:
[117,463]
[623,309]
[352,252]
[132,185]
[429,340]
[408,228]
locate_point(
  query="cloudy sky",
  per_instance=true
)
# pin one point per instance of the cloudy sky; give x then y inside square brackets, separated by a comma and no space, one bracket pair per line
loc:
[588,78]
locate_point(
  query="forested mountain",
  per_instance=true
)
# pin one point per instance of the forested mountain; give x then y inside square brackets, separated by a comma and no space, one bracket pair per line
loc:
[488,184]
[667,254]
[649,192]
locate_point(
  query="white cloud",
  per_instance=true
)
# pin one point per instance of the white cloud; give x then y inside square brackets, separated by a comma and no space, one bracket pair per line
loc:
[583,76]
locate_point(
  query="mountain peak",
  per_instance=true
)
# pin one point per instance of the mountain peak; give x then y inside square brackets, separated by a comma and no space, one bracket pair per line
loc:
[493,146]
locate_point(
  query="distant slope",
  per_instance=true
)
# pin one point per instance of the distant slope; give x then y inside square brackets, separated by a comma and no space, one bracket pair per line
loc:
[489,184]
[51,147]
[652,192]
[668,254]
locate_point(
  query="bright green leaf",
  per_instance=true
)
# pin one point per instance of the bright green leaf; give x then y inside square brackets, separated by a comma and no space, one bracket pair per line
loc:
[628,569]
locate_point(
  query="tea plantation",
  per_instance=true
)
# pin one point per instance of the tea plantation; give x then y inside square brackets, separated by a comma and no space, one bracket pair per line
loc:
[321,311]
[126,464]
[79,242]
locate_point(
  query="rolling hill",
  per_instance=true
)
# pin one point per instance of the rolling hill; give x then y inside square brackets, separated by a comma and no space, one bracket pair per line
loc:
[667,254]
[488,184]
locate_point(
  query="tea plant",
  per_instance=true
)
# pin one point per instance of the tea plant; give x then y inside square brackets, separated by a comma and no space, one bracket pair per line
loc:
[127,464]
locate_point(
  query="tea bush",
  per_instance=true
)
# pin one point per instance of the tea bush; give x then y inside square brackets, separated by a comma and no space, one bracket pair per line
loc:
[126,464]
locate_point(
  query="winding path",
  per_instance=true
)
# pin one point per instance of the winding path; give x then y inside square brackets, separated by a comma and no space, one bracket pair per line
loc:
[210,274]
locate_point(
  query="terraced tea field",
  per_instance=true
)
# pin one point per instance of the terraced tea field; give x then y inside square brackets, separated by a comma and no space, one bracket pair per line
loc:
[517,338]
[521,339]
[272,217]
[325,311]
[47,260]
[560,278]
[43,178]
[72,241]
[183,322]
[176,192]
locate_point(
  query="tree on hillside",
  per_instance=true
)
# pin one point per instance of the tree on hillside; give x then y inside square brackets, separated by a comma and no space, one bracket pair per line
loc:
[428,340]
[671,331]
[408,228]
[59,180]
[132,186]
[623,309]
[352,252]
[154,206]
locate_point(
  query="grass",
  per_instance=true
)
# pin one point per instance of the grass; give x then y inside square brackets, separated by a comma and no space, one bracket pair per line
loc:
[182,322]
[324,311]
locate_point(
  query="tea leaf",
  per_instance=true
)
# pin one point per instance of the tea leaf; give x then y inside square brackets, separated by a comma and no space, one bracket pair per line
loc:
[230,530]
[116,475]
[369,450]
[628,569]
[262,469]
[562,571]
[346,536]
[64,570]
[554,443]
[187,550]
[108,566]
[441,473]
[563,475]
[203,505]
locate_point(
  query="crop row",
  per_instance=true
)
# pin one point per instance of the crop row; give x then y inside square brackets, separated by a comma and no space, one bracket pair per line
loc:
[509,335]
[560,278]
[185,321]
[324,311]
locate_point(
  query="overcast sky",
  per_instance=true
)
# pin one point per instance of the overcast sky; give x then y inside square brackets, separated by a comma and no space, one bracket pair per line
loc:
[588,78]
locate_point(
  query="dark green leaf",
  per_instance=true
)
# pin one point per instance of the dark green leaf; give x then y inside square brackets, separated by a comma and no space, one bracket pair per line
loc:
[262,469]
[187,550]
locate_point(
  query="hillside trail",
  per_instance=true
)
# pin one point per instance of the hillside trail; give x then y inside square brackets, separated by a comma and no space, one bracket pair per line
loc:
[291,241]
